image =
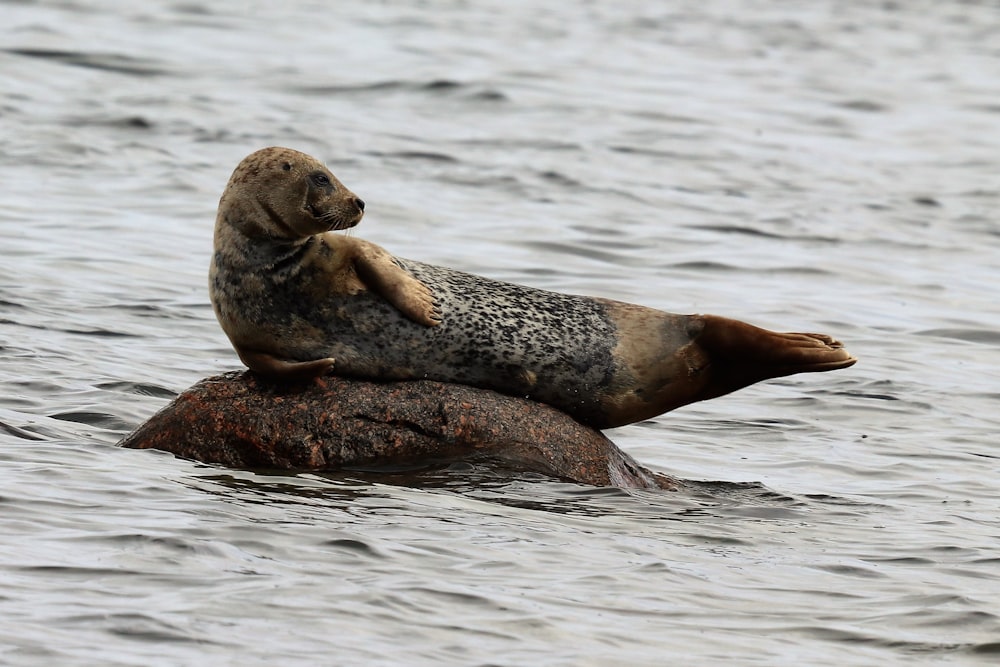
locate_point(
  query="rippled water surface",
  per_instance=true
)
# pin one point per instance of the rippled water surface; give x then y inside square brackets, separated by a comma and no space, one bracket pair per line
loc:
[830,166]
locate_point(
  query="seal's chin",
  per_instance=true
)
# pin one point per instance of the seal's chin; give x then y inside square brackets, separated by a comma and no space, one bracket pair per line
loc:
[345,225]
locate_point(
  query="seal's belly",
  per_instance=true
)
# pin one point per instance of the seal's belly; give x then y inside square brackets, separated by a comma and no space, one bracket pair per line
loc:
[552,347]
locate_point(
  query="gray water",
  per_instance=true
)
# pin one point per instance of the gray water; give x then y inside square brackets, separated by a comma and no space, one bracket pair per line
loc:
[830,166]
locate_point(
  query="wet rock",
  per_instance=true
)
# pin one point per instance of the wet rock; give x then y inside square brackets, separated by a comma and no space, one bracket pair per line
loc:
[241,421]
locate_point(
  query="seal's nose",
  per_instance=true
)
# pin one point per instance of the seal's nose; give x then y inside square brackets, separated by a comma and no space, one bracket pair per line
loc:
[360,203]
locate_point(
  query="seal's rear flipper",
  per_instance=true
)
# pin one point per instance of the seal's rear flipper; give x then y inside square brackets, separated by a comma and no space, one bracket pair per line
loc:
[738,354]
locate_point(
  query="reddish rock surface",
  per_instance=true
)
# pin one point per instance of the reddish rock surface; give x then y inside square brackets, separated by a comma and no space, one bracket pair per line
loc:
[241,421]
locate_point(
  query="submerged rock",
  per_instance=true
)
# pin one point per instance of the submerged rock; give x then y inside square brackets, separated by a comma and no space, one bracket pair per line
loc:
[238,420]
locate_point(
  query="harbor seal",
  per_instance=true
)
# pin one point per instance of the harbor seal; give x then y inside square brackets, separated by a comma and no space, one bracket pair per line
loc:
[297,300]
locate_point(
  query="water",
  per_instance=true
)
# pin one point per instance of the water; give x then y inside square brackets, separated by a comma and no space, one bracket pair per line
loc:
[814,166]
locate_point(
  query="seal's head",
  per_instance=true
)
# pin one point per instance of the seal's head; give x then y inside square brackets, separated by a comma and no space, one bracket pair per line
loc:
[282,194]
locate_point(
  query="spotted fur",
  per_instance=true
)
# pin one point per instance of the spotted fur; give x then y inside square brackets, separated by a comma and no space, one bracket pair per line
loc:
[296,299]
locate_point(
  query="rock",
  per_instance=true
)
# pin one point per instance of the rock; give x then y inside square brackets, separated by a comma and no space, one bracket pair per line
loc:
[238,420]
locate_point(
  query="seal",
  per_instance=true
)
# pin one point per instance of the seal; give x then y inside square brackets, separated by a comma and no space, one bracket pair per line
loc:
[297,300]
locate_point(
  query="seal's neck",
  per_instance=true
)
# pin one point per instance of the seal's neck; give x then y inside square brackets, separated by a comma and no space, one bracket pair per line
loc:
[236,248]
[255,218]
[282,257]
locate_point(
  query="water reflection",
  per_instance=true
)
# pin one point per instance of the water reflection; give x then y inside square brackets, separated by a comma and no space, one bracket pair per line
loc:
[492,482]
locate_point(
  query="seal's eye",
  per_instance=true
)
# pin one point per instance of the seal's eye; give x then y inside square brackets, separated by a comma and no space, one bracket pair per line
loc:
[320,180]
[287,166]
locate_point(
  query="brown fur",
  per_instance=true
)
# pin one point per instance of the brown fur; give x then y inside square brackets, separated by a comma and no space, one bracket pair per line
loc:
[297,300]
[274,196]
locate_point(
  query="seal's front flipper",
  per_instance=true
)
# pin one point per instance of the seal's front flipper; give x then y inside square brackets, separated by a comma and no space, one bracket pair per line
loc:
[383,276]
[284,370]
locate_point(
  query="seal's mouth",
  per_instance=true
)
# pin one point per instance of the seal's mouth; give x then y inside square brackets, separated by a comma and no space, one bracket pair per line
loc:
[332,221]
